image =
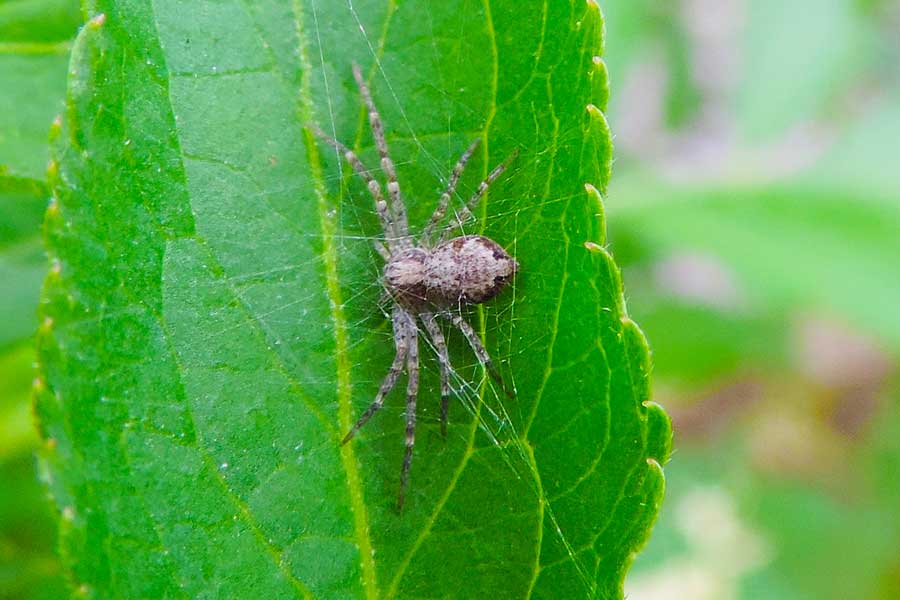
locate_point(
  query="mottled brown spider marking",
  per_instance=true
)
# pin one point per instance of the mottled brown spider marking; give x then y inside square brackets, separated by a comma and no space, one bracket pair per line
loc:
[428,277]
[470,269]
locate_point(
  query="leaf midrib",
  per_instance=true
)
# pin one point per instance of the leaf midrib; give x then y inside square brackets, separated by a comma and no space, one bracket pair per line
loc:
[344,397]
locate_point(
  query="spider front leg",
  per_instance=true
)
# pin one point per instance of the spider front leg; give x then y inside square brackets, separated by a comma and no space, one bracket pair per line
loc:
[382,250]
[478,348]
[381,207]
[444,200]
[398,209]
[440,347]
[401,342]
[412,392]
[466,212]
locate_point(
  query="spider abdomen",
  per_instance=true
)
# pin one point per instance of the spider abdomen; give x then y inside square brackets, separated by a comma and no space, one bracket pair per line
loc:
[467,269]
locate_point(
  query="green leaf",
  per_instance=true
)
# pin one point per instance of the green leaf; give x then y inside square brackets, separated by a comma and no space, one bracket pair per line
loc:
[793,248]
[215,322]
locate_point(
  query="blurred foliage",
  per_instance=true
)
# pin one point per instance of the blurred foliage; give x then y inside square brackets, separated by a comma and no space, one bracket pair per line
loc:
[34,45]
[759,237]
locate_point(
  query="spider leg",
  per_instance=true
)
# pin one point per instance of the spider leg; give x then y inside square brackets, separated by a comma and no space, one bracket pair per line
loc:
[382,250]
[466,212]
[440,346]
[401,342]
[478,348]
[398,209]
[381,207]
[444,201]
[412,391]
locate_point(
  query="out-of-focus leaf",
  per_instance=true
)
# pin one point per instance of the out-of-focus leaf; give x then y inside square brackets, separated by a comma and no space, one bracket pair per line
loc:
[36,22]
[15,412]
[22,261]
[792,248]
[641,30]
[33,59]
[849,515]
[34,38]
[694,345]
[860,163]
[791,72]
[29,568]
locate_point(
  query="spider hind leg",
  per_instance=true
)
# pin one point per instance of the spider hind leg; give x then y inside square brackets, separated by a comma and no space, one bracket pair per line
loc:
[412,392]
[440,348]
[480,352]
[402,344]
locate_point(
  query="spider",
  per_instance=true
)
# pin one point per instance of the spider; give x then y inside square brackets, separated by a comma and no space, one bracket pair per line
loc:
[426,278]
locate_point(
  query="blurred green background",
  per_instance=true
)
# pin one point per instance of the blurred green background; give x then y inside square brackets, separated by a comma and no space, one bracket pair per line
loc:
[34,45]
[755,210]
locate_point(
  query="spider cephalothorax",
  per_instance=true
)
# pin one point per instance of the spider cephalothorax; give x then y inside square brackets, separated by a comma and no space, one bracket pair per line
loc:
[428,277]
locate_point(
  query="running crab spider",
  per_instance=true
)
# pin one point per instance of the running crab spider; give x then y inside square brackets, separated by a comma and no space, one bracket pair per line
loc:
[427,277]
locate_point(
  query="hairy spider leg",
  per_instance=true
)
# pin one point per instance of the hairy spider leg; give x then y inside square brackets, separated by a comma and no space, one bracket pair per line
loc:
[412,391]
[398,209]
[478,348]
[444,201]
[381,206]
[402,335]
[440,347]
[466,213]
[379,247]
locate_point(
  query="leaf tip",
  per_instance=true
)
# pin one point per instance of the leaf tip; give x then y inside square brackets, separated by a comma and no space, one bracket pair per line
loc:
[68,513]
[38,385]
[46,325]
[97,21]
[52,212]
[593,246]
[594,111]
[55,128]
[593,192]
